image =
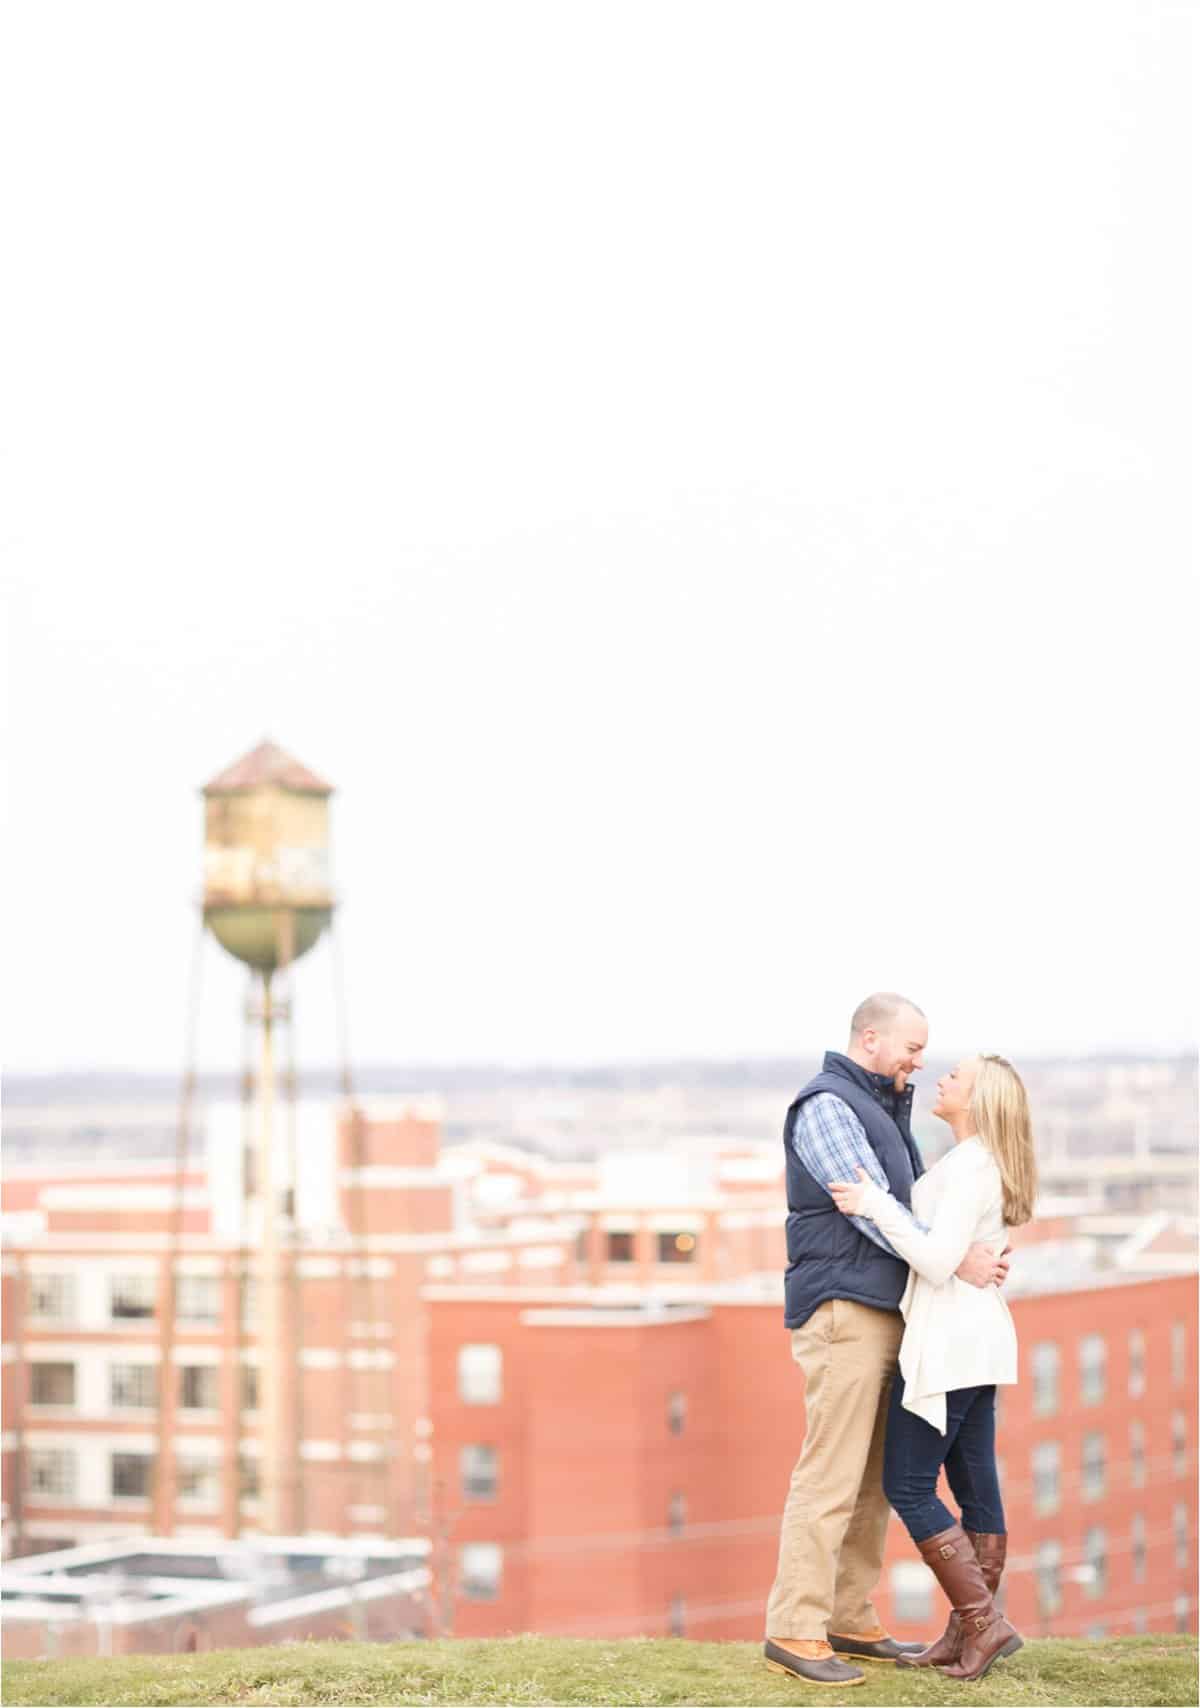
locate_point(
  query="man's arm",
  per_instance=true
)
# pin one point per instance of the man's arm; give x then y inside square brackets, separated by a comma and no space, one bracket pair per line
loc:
[831,1142]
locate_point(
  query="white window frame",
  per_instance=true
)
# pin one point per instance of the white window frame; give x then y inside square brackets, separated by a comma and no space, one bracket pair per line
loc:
[1046,1365]
[198,1298]
[1093,1369]
[479,1471]
[480,1571]
[140,1377]
[54,1364]
[1093,1465]
[61,1290]
[1047,1477]
[480,1373]
[1047,1571]
[53,1475]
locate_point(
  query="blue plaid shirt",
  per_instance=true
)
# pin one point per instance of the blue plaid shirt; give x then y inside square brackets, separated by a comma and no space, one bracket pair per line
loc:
[832,1143]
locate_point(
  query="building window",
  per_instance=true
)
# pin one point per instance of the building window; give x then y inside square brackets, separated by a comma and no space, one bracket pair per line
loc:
[249,1387]
[1137,1453]
[1095,1555]
[1137,1363]
[912,1591]
[52,1384]
[618,1247]
[131,1475]
[1140,1622]
[1178,1351]
[676,1412]
[1179,1524]
[52,1474]
[479,1569]
[1093,1466]
[249,1480]
[248,1301]
[479,1380]
[1096,1633]
[1047,1465]
[677,1514]
[582,1253]
[1045,1378]
[1048,1567]
[133,1387]
[1179,1445]
[52,1297]
[478,1470]
[197,1480]
[198,1298]
[1183,1608]
[677,1616]
[131,1298]
[676,1248]
[198,1388]
[1092,1354]
[1137,1547]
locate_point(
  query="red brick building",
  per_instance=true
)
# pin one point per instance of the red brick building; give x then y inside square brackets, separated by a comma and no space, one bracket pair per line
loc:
[84,1272]
[573,1380]
[614,1469]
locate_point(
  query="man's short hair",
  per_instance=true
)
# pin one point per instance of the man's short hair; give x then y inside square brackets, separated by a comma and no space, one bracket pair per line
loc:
[876,1011]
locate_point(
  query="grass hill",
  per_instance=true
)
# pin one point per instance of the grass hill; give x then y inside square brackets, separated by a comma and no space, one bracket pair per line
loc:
[542,1670]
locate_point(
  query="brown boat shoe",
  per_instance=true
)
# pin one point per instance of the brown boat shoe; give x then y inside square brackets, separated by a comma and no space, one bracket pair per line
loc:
[810,1661]
[873,1646]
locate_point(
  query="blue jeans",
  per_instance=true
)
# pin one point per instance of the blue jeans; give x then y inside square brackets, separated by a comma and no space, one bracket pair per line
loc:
[914,1453]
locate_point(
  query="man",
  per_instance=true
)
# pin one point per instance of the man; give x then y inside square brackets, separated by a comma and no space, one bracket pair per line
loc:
[842,1296]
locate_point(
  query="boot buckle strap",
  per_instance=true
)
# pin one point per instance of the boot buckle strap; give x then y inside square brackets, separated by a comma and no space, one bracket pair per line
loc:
[981,1624]
[946,1551]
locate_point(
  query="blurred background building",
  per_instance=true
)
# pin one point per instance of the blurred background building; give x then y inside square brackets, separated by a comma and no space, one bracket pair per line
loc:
[562,1390]
[286,1358]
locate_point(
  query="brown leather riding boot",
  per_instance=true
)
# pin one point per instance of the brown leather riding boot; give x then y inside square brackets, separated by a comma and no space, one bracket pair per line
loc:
[989,1551]
[985,1633]
[942,1652]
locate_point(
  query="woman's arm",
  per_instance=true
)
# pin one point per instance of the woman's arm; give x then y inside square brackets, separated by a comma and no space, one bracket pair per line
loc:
[935,1254]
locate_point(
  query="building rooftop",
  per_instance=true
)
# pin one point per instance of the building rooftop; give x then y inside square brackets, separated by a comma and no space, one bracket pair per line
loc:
[264,764]
[124,1583]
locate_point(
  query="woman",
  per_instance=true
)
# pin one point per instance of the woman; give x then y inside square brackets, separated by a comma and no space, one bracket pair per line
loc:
[958,1344]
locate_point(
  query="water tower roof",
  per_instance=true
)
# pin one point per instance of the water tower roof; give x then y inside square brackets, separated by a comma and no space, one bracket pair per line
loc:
[266,763]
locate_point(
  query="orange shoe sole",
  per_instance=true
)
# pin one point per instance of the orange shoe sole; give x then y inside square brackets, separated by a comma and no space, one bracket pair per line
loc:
[820,1683]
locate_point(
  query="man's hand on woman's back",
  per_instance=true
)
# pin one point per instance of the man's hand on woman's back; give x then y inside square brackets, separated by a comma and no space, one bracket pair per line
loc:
[982,1268]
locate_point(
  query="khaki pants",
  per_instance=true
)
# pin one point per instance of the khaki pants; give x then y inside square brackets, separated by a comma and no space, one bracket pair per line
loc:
[836,1518]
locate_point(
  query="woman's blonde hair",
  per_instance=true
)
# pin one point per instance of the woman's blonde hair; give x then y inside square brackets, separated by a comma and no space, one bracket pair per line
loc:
[1000,1109]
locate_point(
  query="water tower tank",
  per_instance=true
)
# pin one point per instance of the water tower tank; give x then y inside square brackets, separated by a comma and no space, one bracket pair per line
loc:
[267,895]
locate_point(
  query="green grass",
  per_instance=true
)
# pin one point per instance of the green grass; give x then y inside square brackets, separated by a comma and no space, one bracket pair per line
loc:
[1130,1670]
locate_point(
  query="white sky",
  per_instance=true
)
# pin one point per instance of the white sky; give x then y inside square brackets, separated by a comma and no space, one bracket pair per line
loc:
[709,484]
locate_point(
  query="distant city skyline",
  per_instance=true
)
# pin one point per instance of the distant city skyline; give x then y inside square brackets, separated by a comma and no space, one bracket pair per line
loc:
[727,560]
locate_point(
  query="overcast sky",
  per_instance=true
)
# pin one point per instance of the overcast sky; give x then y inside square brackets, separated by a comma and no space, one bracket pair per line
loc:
[707,483]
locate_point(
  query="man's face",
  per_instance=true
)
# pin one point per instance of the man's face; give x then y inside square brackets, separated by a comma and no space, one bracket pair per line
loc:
[898,1048]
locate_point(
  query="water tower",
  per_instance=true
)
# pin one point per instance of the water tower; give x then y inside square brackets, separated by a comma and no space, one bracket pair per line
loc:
[266,859]
[267,899]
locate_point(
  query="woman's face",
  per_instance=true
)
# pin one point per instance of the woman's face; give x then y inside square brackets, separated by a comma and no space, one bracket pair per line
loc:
[954,1089]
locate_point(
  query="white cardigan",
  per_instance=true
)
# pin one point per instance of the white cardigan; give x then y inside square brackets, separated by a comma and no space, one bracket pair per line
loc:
[955,1335]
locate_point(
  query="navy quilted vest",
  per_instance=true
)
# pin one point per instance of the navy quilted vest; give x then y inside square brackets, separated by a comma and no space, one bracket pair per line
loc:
[827,1256]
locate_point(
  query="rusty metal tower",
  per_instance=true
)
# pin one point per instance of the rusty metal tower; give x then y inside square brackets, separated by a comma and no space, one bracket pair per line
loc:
[267,900]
